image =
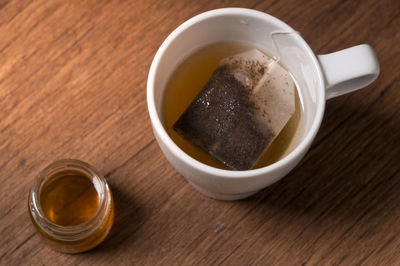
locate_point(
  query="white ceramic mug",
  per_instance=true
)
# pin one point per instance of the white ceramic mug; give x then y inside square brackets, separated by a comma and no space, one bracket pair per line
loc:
[318,79]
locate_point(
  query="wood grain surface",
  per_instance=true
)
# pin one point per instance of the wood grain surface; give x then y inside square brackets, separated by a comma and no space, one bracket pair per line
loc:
[73,85]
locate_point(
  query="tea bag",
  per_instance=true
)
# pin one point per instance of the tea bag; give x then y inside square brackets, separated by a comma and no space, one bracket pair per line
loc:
[241,109]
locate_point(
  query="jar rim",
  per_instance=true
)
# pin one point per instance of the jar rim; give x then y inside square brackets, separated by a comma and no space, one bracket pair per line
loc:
[70,232]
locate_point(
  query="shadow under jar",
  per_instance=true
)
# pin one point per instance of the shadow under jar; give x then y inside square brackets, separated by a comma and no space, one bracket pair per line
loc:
[71,206]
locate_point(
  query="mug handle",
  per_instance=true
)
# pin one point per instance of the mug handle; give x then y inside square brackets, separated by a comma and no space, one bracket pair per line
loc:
[349,69]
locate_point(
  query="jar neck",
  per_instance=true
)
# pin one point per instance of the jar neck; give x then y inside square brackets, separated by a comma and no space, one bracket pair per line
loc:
[72,232]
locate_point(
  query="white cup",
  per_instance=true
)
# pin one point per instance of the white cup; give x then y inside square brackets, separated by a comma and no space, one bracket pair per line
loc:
[318,79]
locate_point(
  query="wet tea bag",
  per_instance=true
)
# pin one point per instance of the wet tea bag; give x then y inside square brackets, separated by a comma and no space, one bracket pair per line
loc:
[239,112]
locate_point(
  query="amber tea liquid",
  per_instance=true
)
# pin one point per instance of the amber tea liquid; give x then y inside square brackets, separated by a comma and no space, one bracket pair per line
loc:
[187,81]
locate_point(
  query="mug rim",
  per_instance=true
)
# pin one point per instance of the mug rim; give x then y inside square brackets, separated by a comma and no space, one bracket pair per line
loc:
[225,173]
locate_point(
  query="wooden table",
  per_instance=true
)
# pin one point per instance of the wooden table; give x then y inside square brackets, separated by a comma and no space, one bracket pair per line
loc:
[73,85]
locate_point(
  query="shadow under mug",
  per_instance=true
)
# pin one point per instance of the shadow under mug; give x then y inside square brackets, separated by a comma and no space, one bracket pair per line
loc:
[318,79]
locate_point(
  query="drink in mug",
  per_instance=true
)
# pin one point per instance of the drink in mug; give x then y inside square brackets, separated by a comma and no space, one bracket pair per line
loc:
[317,78]
[187,81]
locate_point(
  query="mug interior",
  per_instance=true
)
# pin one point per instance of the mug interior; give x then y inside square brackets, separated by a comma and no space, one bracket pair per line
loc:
[256,29]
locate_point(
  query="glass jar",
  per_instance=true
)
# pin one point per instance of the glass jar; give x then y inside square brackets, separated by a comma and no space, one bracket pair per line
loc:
[71,206]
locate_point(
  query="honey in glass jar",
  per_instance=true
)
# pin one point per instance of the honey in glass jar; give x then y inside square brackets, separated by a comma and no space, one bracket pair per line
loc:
[71,206]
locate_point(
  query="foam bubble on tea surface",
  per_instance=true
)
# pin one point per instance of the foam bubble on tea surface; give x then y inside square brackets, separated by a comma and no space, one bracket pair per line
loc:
[242,108]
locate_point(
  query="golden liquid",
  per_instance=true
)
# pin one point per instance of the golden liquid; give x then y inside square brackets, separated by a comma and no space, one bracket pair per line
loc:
[69,198]
[187,81]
